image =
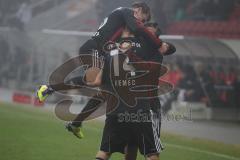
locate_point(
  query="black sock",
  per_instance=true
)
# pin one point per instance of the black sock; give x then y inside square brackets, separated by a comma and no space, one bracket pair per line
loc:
[90,106]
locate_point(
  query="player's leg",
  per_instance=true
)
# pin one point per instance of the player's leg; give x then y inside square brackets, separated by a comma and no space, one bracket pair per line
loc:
[93,78]
[89,47]
[46,90]
[74,126]
[97,158]
[131,152]
[153,157]
[149,137]
[131,149]
[156,125]
[91,106]
[101,155]
[114,138]
[43,92]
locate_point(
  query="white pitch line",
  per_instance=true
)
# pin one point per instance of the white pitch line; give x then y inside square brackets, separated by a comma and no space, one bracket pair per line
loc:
[202,151]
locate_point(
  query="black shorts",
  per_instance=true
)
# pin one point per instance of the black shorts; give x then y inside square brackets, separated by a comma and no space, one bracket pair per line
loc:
[143,134]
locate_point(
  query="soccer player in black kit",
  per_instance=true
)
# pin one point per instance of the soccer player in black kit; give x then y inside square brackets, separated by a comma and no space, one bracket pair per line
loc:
[143,135]
[114,24]
[113,27]
[109,30]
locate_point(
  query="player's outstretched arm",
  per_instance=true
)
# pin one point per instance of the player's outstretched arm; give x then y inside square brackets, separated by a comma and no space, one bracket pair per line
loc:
[167,49]
[139,29]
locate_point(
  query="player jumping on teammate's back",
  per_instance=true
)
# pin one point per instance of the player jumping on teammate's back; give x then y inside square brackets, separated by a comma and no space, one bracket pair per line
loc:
[114,24]
[112,28]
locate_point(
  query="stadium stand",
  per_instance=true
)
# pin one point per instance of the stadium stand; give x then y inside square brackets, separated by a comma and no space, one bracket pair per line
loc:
[18,13]
[217,29]
[214,19]
[220,83]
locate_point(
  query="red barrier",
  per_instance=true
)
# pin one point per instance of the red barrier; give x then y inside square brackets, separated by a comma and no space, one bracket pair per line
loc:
[37,103]
[21,98]
[26,99]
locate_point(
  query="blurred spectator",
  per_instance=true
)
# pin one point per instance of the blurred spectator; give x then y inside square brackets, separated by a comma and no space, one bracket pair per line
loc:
[180,14]
[204,9]
[190,84]
[180,8]
[159,14]
[225,8]
[216,87]
[15,14]
[4,52]
[212,74]
[237,90]
[220,76]
[205,85]
[174,75]
[231,76]
[4,49]
[24,12]
[235,15]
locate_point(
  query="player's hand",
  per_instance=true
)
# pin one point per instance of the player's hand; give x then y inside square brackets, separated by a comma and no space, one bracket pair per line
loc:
[164,48]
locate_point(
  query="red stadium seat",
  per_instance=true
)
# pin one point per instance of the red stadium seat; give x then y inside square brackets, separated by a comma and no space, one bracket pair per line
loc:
[212,29]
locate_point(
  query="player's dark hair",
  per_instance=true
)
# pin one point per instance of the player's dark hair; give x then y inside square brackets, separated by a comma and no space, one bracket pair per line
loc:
[154,25]
[145,8]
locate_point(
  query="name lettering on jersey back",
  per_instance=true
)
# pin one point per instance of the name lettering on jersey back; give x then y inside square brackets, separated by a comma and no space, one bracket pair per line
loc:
[138,45]
[125,83]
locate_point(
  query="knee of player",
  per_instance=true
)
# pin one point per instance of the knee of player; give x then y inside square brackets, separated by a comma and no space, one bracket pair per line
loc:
[101,155]
[153,157]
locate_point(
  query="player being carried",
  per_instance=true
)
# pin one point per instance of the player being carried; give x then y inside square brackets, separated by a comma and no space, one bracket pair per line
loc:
[104,153]
[109,30]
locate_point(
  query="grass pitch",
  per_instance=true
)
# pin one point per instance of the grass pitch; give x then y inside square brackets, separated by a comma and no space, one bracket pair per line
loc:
[28,133]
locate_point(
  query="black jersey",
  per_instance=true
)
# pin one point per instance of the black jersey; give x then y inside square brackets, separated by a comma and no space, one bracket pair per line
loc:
[145,53]
[139,48]
[113,25]
[143,50]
